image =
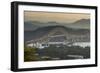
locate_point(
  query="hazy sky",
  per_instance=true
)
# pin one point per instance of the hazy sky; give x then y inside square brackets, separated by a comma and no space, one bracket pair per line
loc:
[54,16]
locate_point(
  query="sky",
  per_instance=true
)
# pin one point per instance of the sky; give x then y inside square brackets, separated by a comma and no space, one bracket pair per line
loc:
[54,16]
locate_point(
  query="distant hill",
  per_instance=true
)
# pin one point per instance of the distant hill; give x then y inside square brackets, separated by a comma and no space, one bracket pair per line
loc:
[44,31]
[32,25]
[80,24]
[83,23]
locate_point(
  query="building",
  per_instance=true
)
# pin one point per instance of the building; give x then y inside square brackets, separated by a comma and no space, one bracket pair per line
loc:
[57,40]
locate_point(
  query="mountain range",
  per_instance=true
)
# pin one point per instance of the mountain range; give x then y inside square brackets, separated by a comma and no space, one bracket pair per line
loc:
[79,24]
[57,29]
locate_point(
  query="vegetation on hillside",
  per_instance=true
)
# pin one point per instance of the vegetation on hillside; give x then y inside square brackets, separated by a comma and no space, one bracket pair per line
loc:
[53,52]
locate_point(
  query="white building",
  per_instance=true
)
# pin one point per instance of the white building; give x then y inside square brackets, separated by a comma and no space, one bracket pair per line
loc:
[56,40]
